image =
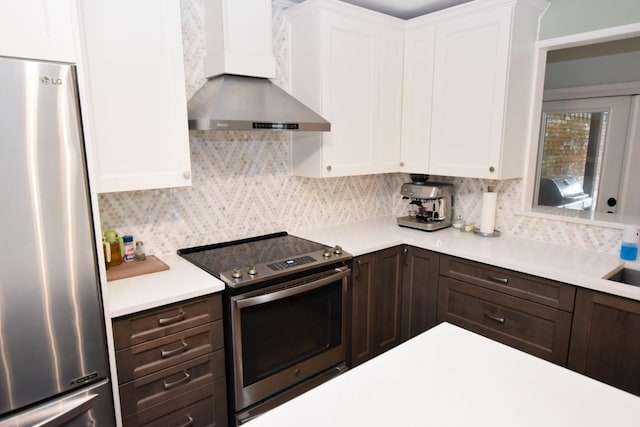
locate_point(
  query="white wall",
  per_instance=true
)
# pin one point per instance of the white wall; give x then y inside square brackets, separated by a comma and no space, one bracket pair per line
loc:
[566,17]
[604,63]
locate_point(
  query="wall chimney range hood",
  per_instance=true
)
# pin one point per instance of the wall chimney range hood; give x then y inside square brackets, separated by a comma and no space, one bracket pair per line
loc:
[239,62]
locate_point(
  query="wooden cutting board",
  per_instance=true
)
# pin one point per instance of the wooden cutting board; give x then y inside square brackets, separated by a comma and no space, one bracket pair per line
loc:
[136,268]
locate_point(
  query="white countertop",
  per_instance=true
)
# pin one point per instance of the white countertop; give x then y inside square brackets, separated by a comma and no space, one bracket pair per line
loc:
[556,262]
[451,377]
[565,264]
[182,281]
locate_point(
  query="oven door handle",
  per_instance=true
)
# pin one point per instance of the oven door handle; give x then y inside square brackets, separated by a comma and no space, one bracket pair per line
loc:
[294,290]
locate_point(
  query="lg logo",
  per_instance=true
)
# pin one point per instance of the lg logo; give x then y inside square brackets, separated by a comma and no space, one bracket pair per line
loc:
[45,81]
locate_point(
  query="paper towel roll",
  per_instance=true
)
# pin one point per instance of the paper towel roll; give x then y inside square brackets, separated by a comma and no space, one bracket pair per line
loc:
[488,219]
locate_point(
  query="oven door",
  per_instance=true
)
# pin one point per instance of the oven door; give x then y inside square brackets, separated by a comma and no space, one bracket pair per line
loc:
[287,333]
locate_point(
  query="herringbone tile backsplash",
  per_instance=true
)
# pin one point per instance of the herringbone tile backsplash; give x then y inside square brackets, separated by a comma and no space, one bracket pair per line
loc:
[242,185]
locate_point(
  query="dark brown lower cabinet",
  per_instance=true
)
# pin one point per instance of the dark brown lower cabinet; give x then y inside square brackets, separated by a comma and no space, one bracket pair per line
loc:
[534,328]
[419,291]
[170,364]
[605,341]
[399,292]
[394,298]
[525,312]
[375,304]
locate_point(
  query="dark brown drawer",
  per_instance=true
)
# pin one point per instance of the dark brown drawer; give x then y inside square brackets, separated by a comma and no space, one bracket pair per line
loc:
[203,406]
[543,291]
[143,359]
[528,326]
[154,389]
[156,323]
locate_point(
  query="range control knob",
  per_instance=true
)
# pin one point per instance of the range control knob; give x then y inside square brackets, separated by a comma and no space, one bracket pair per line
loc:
[252,271]
[337,250]
[236,273]
[326,253]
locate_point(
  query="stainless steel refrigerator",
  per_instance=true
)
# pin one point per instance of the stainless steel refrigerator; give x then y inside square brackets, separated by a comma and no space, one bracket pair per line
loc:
[53,360]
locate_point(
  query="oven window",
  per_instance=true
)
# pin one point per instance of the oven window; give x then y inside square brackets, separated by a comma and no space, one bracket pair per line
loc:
[281,333]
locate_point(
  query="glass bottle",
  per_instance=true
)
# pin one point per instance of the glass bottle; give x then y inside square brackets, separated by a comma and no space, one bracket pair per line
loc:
[140,255]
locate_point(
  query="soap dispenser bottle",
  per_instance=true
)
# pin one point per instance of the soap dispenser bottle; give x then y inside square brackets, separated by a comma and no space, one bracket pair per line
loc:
[630,241]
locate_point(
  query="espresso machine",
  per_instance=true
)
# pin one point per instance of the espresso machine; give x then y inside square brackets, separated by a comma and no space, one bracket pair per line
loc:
[430,206]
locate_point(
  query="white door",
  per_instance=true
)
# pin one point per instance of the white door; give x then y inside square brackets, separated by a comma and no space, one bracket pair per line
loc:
[629,197]
[586,138]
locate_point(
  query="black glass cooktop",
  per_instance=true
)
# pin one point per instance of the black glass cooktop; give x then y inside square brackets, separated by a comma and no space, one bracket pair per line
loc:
[270,255]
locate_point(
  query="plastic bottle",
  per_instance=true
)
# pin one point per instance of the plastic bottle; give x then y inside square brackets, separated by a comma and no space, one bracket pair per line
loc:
[630,241]
[129,248]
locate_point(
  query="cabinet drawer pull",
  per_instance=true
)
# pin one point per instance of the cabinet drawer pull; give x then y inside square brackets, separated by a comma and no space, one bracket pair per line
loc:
[168,353]
[503,280]
[185,379]
[189,421]
[493,317]
[169,320]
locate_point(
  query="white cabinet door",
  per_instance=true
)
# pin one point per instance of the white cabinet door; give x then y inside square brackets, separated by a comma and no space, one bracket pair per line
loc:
[389,117]
[347,66]
[349,98]
[38,29]
[419,49]
[468,89]
[470,74]
[133,94]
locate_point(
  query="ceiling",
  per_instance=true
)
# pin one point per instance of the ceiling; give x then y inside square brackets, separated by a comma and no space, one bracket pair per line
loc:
[404,9]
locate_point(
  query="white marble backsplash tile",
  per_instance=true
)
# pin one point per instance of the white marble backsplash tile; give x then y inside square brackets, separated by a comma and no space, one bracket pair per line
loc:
[242,184]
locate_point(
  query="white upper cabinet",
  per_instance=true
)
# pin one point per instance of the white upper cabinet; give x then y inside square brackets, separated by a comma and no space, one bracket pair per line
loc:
[132,90]
[38,29]
[469,89]
[346,64]
[455,98]
[481,75]
[419,47]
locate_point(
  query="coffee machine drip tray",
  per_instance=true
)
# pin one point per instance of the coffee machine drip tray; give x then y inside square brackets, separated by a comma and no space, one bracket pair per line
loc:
[421,224]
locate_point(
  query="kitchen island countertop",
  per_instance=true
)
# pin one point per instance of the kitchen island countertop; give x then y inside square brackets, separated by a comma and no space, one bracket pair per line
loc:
[448,376]
[182,281]
[566,264]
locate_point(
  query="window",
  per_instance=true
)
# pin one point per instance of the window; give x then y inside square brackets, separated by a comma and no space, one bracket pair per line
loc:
[581,154]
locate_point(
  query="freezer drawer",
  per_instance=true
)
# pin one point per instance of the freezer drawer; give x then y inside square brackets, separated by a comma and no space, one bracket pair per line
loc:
[90,406]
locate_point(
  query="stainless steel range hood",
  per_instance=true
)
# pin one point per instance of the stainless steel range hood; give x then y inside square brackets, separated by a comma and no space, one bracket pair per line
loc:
[238,94]
[231,102]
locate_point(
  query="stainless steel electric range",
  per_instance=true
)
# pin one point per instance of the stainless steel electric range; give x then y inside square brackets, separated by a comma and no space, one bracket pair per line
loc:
[285,308]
